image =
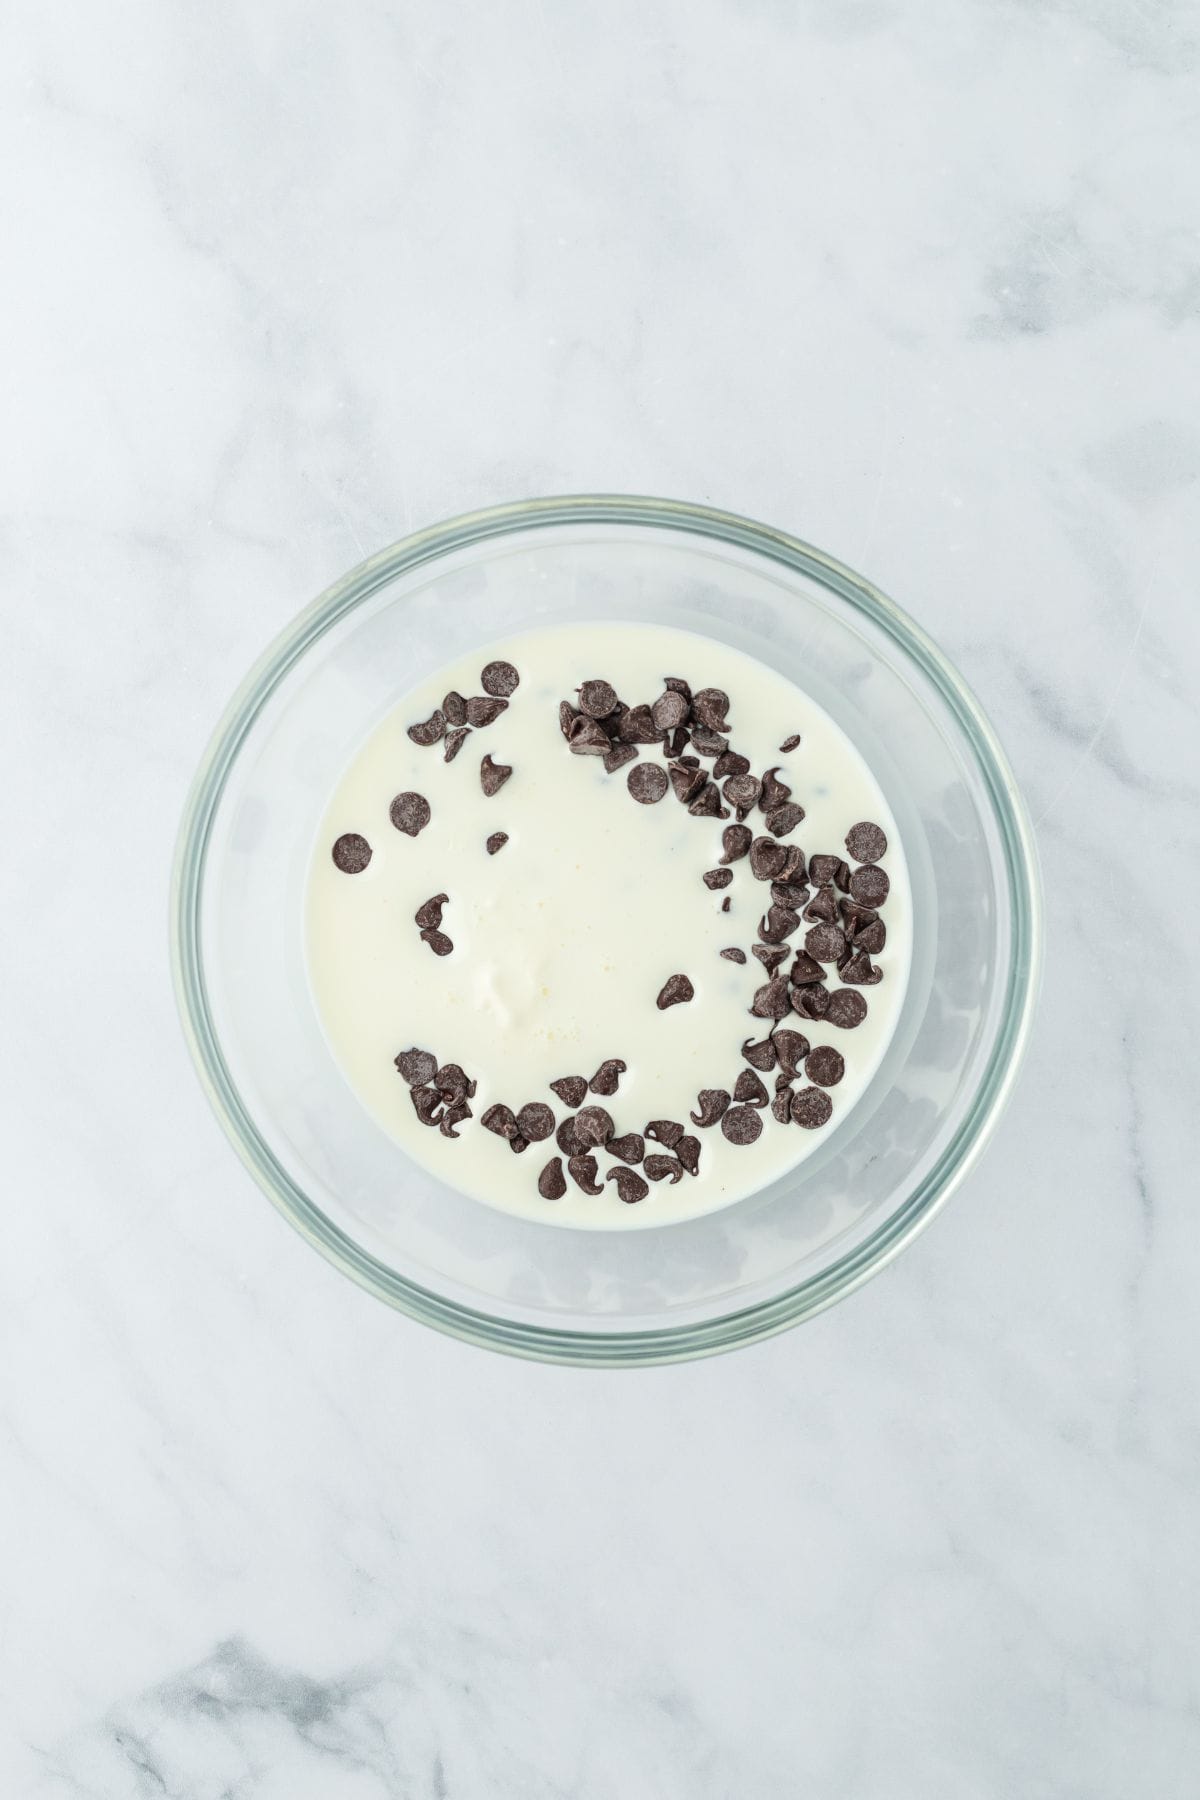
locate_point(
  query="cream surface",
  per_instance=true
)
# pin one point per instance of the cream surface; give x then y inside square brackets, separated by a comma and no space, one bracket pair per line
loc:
[564,938]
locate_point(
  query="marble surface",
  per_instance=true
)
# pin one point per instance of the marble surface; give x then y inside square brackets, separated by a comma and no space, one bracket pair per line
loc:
[917,281]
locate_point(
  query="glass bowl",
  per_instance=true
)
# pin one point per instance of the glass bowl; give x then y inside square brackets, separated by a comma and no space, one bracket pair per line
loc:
[584,1297]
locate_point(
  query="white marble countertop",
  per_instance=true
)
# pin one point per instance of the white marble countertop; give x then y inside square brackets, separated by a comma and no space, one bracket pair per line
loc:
[918,282]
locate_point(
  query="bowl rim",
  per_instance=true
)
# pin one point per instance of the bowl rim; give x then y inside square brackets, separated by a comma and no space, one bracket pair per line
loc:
[671,1343]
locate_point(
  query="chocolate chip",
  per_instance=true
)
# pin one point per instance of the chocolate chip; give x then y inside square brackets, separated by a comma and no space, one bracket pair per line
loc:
[677,685]
[805,969]
[409,813]
[730,763]
[741,1124]
[846,1009]
[767,859]
[789,893]
[669,710]
[774,791]
[593,1126]
[454,742]
[733,954]
[664,1131]
[630,1148]
[535,1121]
[454,708]
[675,742]
[749,1089]
[711,1103]
[710,706]
[782,819]
[811,1002]
[717,878]
[865,842]
[742,790]
[772,1001]
[779,923]
[825,1066]
[825,942]
[427,1104]
[430,914]
[499,678]
[630,1186]
[735,842]
[605,1080]
[582,1170]
[688,1152]
[566,718]
[430,731]
[569,1141]
[811,1108]
[587,738]
[501,1119]
[637,726]
[686,781]
[455,1114]
[725,904]
[493,775]
[571,1090]
[619,755]
[781,1105]
[659,1167]
[859,971]
[789,743]
[760,1055]
[708,743]
[351,853]
[771,955]
[452,1082]
[869,885]
[823,909]
[872,937]
[674,990]
[482,709]
[842,878]
[416,1066]
[707,804]
[496,842]
[647,783]
[597,699]
[438,942]
[823,869]
[792,1048]
[518,1144]
[552,1183]
[793,868]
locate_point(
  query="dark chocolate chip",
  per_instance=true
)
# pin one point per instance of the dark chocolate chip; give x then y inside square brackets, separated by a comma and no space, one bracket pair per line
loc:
[674,990]
[717,878]
[842,878]
[605,1080]
[409,813]
[742,790]
[792,1048]
[430,730]
[823,869]
[805,969]
[823,908]
[825,942]
[789,893]
[782,819]
[688,1152]
[597,699]
[569,1141]
[664,1131]
[707,804]
[860,971]
[735,842]
[686,781]
[630,1186]
[500,679]
[711,1103]
[496,842]
[710,706]
[566,718]
[587,738]
[669,710]
[741,1124]
[825,1066]
[647,783]
[619,755]
[427,1104]
[454,742]
[482,709]
[451,1082]
[438,942]
[455,708]
[865,842]
[416,1066]
[552,1183]
[772,1001]
[771,955]
[518,1144]
[677,685]
[774,791]
[846,1009]
[571,1090]
[811,1002]
[730,762]
[779,923]
[659,1167]
[430,914]
[789,743]
[455,1114]
[638,727]
[676,742]
[493,775]
[593,1126]
[767,859]
[781,1105]
[630,1148]
[749,1089]
[761,1055]
[351,853]
[582,1170]
[793,868]
[872,937]
[501,1119]
[535,1121]
[708,743]
[733,954]
[725,904]
[811,1107]
[870,885]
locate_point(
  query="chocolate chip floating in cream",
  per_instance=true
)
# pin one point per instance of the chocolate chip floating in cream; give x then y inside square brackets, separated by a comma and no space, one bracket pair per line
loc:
[674,991]
[410,813]
[493,775]
[499,679]
[647,783]
[496,842]
[351,853]
[430,730]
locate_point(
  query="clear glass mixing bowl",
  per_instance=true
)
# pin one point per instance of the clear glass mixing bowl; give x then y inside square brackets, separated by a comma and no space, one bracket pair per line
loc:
[577,1296]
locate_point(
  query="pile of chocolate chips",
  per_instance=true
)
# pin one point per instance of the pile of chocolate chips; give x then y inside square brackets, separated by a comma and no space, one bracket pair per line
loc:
[440,1095]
